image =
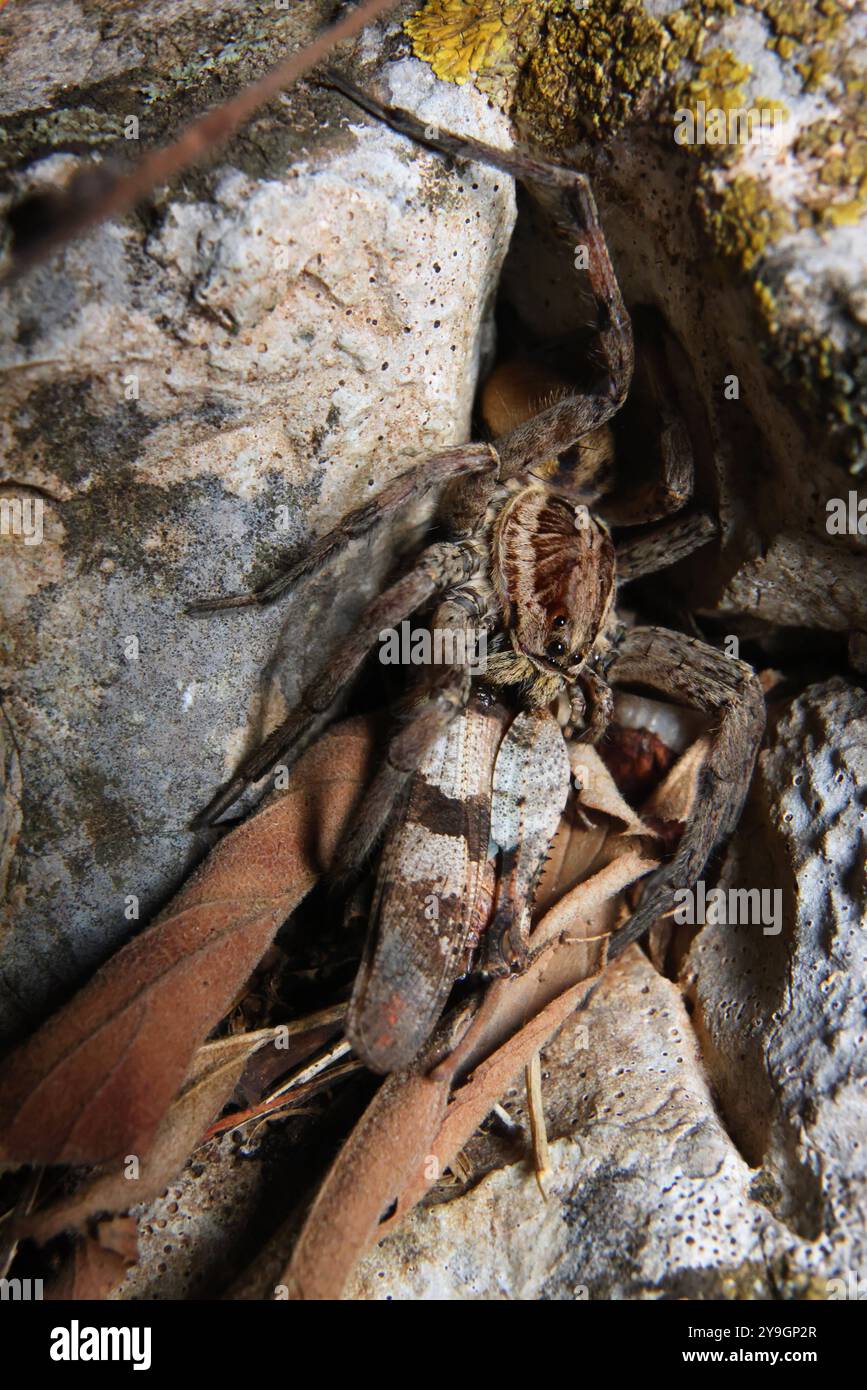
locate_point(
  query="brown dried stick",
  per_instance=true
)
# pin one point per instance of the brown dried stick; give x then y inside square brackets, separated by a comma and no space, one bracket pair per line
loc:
[74,212]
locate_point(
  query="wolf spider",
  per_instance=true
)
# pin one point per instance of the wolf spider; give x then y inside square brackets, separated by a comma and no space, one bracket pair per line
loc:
[538,573]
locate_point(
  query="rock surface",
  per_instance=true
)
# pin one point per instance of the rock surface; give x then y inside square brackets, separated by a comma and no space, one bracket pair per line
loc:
[753,253]
[648,1196]
[191,395]
[781,1018]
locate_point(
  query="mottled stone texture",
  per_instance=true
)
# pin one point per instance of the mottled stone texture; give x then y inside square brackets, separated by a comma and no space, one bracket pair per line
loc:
[707,1134]
[192,393]
[782,1018]
[647,1194]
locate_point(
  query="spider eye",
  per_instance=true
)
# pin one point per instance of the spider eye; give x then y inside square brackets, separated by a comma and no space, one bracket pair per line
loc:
[556,649]
[559,621]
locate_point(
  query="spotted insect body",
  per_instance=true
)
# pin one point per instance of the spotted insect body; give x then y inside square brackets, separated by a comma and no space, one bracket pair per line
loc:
[457,872]
[432,894]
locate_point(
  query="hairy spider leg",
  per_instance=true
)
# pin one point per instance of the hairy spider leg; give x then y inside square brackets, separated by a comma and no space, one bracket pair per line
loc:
[568,199]
[703,678]
[600,703]
[672,488]
[462,461]
[438,568]
[663,545]
[665,494]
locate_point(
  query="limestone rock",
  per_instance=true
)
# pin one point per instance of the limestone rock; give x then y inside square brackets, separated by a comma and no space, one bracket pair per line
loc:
[648,1196]
[781,1016]
[190,395]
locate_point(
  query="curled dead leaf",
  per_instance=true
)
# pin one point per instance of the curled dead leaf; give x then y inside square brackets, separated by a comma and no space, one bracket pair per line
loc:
[212,1078]
[419,1121]
[93,1084]
[94,1270]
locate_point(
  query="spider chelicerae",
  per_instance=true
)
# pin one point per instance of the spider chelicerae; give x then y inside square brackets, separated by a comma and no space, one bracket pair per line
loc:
[538,573]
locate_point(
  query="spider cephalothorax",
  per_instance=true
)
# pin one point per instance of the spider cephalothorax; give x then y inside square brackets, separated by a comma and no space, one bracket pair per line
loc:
[553,572]
[537,573]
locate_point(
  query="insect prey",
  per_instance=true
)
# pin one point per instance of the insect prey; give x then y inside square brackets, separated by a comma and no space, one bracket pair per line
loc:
[457,872]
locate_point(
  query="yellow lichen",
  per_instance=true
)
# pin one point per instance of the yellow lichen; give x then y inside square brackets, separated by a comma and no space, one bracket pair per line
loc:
[584,62]
[777,109]
[688,29]
[845,214]
[593,64]
[744,219]
[836,153]
[782,45]
[767,305]
[686,38]
[573,68]
[814,70]
[801,21]
[718,82]
[474,39]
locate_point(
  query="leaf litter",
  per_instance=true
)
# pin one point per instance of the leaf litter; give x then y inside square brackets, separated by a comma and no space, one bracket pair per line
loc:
[125,1068]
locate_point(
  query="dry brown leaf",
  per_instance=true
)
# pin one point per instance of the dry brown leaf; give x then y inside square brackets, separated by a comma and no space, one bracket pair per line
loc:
[581,846]
[213,1076]
[674,798]
[573,851]
[379,1162]
[418,1122]
[293,1098]
[93,1084]
[298,1041]
[412,1130]
[578,911]
[672,802]
[598,791]
[119,1234]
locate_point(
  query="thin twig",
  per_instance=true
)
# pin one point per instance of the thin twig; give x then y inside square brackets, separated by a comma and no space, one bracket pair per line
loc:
[307,1073]
[74,212]
[271,1107]
[536,1110]
[9,1239]
[506,1120]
